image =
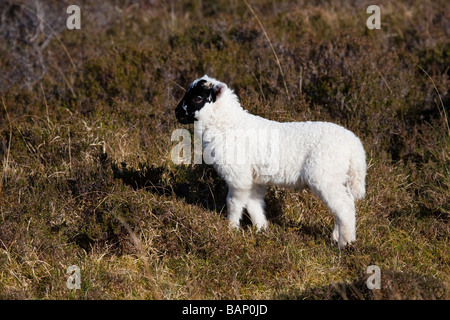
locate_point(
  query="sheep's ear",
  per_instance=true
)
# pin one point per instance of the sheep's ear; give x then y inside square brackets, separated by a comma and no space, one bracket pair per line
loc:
[218,90]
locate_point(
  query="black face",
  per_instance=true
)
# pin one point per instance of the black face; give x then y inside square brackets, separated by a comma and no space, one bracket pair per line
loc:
[195,98]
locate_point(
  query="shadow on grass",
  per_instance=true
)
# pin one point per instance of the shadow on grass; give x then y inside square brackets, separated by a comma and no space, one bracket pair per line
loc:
[395,285]
[199,185]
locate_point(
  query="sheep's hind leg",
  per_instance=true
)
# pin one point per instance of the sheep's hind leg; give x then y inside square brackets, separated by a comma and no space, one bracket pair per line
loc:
[342,205]
[255,207]
[236,200]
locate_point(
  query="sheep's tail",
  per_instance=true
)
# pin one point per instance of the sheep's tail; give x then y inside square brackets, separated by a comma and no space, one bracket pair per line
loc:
[357,172]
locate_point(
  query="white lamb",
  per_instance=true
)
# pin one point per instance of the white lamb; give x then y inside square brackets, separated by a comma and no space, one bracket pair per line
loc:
[325,157]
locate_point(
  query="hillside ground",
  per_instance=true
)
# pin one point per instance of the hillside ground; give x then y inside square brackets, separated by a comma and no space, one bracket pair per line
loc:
[86,118]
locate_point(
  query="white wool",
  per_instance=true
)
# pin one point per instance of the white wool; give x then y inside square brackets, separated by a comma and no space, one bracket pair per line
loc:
[323,156]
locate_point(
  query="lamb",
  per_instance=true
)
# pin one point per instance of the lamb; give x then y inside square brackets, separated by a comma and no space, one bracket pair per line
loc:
[323,156]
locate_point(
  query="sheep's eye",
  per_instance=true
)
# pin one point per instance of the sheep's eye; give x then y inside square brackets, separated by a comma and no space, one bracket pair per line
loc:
[197,99]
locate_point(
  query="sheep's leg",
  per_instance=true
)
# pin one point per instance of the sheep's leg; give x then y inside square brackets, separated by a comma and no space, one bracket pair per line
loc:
[236,200]
[341,204]
[255,207]
[336,232]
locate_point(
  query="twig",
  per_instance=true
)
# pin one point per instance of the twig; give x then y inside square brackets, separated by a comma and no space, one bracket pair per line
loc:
[41,19]
[51,29]
[70,153]
[384,80]
[6,163]
[300,82]
[178,85]
[259,85]
[46,107]
[271,46]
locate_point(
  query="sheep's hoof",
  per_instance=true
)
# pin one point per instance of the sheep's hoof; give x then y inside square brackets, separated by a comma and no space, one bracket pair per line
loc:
[260,227]
[233,226]
[343,237]
[343,243]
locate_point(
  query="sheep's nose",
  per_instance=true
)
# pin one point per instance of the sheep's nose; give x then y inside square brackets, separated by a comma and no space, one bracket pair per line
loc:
[181,112]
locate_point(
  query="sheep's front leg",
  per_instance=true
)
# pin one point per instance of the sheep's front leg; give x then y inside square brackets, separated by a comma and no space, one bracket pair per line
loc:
[255,207]
[236,200]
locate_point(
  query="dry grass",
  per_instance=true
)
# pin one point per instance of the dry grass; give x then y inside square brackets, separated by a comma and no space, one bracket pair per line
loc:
[87,180]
